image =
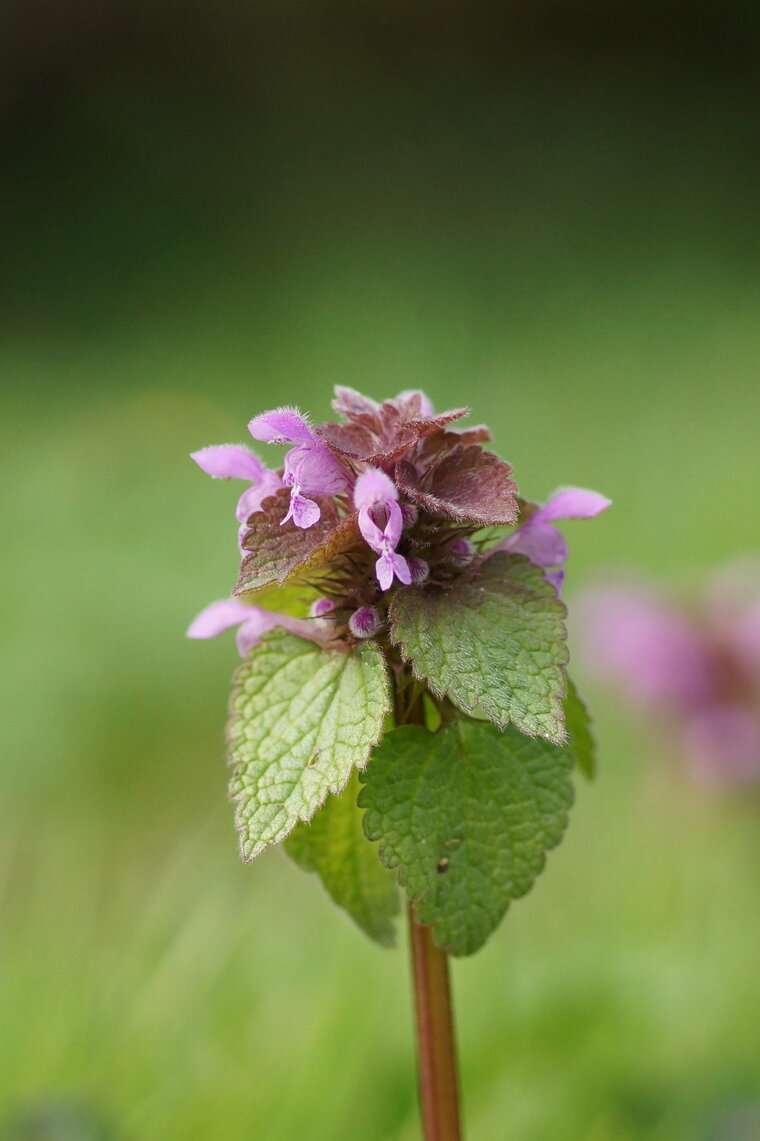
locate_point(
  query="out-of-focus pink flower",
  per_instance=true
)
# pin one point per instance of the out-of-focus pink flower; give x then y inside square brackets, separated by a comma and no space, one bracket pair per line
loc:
[642,642]
[695,670]
[252,622]
[310,468]
[376,494]
[542,542]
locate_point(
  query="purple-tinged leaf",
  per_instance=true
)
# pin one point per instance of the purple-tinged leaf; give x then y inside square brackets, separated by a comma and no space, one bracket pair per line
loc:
[381,436]
[467,484]
[276,550]
[348,402]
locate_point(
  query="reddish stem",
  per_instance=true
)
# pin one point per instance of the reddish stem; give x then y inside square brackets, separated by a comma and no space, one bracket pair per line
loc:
[436,1048]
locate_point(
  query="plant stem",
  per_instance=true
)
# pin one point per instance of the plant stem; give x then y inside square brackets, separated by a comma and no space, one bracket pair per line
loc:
[436,1049]
[436,1046]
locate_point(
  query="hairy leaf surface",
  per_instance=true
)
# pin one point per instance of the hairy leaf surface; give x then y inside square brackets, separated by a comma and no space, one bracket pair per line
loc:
[466,484]
[495,642]
[301,719]
[277,550]
[466,816]
[335,847]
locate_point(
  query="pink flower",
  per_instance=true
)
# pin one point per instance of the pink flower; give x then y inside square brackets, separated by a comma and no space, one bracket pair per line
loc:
[641,641]
[695,672]
[253,621]
[310,468]
[542,542]
[376,495]
[233,461]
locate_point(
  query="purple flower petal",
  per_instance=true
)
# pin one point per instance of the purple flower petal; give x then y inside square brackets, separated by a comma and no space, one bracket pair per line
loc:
[556,578]
[384,570]
[395,524]
[304,512]
[370,531]
[258,623]
[572,503]
[253,497]
[252,620]
[542,542]
[374,486]
[229,461]
[315,470]
[401,569]
[280,426]
[218,616]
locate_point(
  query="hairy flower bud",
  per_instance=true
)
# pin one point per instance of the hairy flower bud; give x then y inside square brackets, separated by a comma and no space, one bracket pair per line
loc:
[461,552]
[365,622]
[419,570]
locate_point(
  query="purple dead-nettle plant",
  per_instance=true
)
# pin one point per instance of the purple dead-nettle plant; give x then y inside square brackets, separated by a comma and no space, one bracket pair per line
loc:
[403,715]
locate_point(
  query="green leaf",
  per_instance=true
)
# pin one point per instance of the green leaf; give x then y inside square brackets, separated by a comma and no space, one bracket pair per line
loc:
[334,846]
[581,741]
[301,718]
[277,550]
[466,815]
[495,641]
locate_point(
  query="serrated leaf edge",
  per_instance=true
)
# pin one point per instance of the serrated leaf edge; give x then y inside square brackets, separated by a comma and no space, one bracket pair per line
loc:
[247,854]
[556,702]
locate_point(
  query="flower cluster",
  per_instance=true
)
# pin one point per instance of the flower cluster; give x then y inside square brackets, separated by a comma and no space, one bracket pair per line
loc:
[694,670]
[390,494]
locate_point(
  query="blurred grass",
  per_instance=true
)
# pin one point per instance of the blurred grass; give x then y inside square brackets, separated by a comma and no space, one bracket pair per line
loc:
[575,262]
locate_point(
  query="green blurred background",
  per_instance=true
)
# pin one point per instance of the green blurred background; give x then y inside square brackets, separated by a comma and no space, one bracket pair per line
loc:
[546,210]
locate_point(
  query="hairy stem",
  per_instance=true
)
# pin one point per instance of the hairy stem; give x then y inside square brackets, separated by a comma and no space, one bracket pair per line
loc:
[436,1048]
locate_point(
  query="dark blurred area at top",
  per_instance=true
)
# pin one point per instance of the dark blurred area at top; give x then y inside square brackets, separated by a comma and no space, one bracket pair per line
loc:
[134,131]
[239,59]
